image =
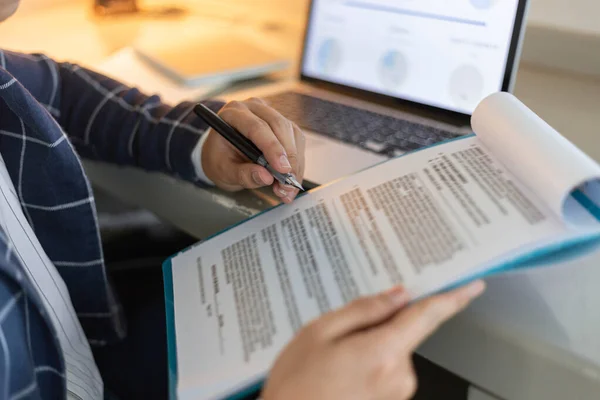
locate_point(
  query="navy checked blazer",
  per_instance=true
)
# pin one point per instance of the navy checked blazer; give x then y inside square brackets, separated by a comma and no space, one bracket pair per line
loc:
[49,114]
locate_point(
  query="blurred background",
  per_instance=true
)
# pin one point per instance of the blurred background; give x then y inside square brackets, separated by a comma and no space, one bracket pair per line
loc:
[562,43]
[557,29]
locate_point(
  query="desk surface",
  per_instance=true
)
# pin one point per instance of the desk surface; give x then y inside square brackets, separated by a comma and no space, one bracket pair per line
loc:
[533,335]
[72,32]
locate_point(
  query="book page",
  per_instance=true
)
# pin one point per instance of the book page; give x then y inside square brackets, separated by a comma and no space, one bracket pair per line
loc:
[543,159]
[424,220]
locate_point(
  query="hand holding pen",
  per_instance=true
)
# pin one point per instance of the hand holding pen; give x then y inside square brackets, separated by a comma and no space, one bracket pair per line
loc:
[251,145]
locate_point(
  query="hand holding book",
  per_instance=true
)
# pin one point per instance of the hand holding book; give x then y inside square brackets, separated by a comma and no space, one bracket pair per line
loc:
[363,350]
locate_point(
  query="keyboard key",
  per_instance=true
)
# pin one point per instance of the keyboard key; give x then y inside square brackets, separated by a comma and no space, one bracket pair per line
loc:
[374,146]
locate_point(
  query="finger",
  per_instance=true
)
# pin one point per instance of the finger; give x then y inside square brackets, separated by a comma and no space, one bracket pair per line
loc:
[247,176]
[300,140]
[287,193]
[420,320]
[259,132]
[363,313]
[281,126]
[280,190]
[284,192]
[404,383]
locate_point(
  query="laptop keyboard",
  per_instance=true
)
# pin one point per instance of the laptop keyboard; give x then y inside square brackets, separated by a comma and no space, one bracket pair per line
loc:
[372,131]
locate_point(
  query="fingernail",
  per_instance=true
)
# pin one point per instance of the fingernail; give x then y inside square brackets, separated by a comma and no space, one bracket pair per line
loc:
[256,178]
[476,289]
[283,192]
[397,295]
[289,189]
[285,163]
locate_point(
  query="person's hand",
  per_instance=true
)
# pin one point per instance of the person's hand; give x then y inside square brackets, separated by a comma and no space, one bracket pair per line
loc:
[363,351]
[280,140]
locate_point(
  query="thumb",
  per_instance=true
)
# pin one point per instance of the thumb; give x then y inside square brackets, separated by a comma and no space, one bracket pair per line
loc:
[364,313]
[236,176]
[421,319]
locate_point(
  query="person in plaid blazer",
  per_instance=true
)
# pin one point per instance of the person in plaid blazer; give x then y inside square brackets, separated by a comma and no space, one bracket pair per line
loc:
[56,300]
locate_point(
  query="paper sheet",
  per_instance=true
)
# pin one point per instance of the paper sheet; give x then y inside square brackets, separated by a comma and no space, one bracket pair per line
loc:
[426,220]
[125,66]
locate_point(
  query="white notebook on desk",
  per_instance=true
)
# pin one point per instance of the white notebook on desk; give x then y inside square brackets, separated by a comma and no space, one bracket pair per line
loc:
[212,58]
[126,67]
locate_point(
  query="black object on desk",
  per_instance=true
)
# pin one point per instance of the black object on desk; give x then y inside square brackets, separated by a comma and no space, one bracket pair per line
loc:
[243,144]
[112,7]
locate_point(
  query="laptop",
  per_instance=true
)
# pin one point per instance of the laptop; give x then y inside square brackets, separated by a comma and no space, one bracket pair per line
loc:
[379,78]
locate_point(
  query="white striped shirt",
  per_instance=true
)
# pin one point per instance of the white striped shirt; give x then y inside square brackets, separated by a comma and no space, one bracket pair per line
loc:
[83,378]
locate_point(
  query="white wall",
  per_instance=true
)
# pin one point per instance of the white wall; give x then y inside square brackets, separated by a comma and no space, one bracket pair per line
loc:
[564,34]
[576,15]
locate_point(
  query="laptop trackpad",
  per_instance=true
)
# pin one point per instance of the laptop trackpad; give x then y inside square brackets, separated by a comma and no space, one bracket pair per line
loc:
[328,159]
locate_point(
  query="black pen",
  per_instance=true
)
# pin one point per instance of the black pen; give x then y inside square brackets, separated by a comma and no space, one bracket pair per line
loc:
[243,144]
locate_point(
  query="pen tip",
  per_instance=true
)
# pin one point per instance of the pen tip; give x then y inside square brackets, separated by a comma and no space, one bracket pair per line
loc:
[295,183]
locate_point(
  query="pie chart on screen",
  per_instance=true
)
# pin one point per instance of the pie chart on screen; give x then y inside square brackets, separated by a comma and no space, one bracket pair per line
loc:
[483,4]
[466,86]
[329,56]
[393,69]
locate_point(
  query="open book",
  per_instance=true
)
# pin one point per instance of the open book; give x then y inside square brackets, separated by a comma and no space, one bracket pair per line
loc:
[517,194]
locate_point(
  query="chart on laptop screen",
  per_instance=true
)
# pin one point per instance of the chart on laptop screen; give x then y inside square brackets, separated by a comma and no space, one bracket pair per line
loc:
[444,53]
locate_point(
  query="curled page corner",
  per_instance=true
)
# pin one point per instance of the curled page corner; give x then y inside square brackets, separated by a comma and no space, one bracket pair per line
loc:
[531,149]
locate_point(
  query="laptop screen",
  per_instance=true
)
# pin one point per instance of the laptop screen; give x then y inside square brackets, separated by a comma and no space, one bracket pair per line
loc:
[448,54]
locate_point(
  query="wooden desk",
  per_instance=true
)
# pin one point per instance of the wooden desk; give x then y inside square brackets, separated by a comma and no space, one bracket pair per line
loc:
[70,30]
